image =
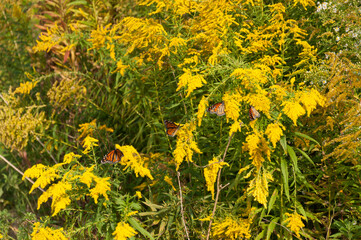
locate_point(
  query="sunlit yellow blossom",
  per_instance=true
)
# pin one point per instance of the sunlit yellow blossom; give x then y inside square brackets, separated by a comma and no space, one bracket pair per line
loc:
[46,233]
[34,171]
[308,53]
[185,144]
[260,101]
[123,231]
[310,99]
[304,3]
[293,110]
[133,160]
[101,188]
[175,43]
[278,91]
[169,181]
[104,127]
[244,169]
[210,173]
[190,81]
[89,143]
[205,219]
[45,175]
[295,222]
[231,228]
[88,176]
[87,129]
[232,104]
[48,40]
[26,87]
[258,187]
[236,126]
[216,52]
[99,36]
[257,147]
[138,194]
[121,67]
[69,157]
[194,60]
[132,213]
[60,199]
[251,78]
[274,132]
[201,110]
[1,236]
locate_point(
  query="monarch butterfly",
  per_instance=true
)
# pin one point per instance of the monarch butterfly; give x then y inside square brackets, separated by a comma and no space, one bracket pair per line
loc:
[217,108]
[113,156]
[171,127]
[253,113]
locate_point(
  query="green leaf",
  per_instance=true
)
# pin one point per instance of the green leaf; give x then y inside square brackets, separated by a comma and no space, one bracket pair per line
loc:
[306,156]
[307,137]
[139,228]
[293,157]
[283,143]
[260,235]
[284,170]
[271,227]
[272,200]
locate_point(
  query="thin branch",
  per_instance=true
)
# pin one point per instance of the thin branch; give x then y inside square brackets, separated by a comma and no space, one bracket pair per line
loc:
[181,202]
[41,143]
[219,187]
[16,169]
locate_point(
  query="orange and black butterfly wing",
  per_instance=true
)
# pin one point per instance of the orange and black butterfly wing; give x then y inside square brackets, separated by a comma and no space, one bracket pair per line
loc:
[113,156]
[217,108]
[171,127]
[253,113]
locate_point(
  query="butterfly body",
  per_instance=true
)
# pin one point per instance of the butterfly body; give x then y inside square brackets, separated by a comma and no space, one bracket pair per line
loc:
[113,156]
[171,127]
[253,113]
[217,108]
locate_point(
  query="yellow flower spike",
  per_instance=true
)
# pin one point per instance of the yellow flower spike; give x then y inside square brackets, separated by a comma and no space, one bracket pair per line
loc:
[310,99]
[232,103]
[293,110]
[87,129]
[132,213]
[34,171]
[210,173]
[191,81]
[89,143]
[236,126]
[123,231]
[185,144]
[26,87]
[257,147]
[201,109]
[101,188]
[138,194]
[133,160]
[88,176]
[295,222]
[45,233]
[69,157]
[274,132]
[258,187]
[169,181]
[121,67]
[231,228]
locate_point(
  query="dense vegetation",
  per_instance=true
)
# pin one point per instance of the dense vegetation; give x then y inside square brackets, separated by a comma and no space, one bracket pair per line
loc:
[226,119]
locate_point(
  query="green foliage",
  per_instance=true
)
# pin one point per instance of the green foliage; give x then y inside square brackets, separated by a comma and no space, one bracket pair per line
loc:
[103,75]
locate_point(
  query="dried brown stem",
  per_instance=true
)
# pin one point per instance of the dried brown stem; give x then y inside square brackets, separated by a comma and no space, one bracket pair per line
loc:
[181,202]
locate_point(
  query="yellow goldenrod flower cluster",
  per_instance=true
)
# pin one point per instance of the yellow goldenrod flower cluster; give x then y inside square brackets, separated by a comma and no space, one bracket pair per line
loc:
[48,40]
[133,160]
[123,231]
[201,109]
[210,173]
[26,87]
[274,132]
[258,187]
[185,144]
[89,143]
[295,222]
[257,147]
[231,229]
[192,82]
[232,104]
[69,180]
[169,181]
[46,233]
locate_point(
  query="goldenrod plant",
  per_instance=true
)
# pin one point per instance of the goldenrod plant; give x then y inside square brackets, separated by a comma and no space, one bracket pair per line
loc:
[224,119]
